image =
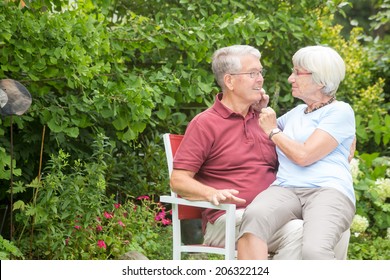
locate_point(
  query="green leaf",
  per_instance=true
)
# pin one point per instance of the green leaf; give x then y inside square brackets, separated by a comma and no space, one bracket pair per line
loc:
[72,131]
[120,123]
[19,205]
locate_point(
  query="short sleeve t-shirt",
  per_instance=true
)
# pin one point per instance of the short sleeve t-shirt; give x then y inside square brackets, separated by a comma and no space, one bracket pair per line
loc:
[227,151]
[333,170]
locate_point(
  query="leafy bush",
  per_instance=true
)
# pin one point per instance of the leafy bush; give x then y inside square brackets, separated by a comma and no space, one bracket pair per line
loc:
[125,227]
[371,226]
[132,73]
[366,248]
[8,250]
[72,217]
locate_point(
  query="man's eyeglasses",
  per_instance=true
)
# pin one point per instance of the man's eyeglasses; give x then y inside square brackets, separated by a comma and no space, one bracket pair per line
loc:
[254,74]
[297,73]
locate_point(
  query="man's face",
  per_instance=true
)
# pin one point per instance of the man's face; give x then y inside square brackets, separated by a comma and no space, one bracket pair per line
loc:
[248,83]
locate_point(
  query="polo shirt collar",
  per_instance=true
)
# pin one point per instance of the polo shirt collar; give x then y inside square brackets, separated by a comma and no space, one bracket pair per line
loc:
[225,112]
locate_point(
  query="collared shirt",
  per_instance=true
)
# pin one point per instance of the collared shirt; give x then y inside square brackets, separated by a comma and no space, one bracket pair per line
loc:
[227,151]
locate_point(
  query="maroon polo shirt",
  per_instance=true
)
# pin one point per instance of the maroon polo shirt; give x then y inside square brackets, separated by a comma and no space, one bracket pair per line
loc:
[227,151]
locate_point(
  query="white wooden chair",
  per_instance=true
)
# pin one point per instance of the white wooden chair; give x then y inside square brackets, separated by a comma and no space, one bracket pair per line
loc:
[183,209]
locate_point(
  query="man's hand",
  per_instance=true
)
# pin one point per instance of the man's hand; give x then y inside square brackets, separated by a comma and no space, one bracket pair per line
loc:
[225,196]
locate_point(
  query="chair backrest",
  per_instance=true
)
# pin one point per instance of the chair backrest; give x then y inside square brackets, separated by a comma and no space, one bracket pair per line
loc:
[171,144]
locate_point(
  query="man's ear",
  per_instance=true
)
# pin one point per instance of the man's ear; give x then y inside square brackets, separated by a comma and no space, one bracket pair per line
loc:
[228,79]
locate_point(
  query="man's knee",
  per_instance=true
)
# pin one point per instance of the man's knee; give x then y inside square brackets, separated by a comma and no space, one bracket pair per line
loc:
[293,227]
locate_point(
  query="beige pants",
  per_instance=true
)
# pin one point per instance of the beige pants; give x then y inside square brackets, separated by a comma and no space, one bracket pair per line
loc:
[286,243]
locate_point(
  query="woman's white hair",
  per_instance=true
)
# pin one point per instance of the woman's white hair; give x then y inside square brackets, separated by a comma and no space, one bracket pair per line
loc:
[228,60]
[325,64]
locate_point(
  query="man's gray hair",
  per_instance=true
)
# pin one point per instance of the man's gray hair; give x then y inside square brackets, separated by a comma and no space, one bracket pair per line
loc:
[228,60]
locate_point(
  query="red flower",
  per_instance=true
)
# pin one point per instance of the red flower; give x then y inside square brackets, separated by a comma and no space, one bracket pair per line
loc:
[108,215]
[99,228]
[117,205]
[143,197]
[101,244]
[77,227]
[121,224]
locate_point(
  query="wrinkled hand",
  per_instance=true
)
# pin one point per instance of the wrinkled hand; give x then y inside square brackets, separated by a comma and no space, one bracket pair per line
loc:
[262,103]
[267,120]
[226,196]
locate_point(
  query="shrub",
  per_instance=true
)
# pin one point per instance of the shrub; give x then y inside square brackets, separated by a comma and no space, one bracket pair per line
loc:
[8,250]
[371,225]
[71,217]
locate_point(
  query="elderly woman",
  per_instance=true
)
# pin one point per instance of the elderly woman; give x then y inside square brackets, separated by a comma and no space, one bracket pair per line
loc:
[313,143]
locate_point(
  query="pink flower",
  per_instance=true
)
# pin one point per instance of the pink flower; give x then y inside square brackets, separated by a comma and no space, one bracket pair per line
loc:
[143,197]
[77,227]
[101,244]
[160,216]
[166,222]
[117,205]
[99,228]
[108,215]
[121,224]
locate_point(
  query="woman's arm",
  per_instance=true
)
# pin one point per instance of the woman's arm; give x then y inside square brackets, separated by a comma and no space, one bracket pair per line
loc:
[317,146]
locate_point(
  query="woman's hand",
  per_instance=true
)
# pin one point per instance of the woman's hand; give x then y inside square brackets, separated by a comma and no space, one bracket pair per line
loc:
[262,103]
[267,120]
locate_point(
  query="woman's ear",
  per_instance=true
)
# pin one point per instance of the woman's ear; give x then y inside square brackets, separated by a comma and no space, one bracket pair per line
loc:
[326,89]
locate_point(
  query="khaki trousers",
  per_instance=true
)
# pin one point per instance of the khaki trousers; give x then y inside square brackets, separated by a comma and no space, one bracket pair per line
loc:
[286,243]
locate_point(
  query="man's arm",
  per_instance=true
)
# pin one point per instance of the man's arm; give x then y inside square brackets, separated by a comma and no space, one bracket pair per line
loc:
[184,184]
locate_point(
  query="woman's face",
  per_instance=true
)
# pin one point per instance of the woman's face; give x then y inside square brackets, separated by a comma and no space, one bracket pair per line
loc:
[303,86]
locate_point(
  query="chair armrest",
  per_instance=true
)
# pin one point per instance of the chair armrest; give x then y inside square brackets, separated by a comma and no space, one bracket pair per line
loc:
[203,204]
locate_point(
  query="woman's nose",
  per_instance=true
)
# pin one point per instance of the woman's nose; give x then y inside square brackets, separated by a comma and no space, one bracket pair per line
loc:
[291,78]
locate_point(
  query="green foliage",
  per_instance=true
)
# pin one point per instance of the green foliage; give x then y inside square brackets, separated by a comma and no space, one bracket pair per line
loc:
[371,226]
[124,68]
[71,217]
[132,72]
[363,90]
[372,189]
[8,250]
[363,248]
[140,171]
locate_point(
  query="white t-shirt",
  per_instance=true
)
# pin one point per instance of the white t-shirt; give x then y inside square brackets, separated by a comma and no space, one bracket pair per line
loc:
[337,119]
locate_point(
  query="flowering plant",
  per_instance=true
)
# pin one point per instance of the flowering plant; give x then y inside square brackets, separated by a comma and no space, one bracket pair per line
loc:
[136,225]
[371,225]
[72,217]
